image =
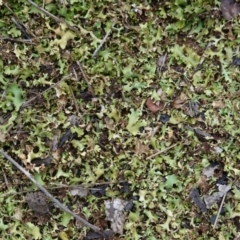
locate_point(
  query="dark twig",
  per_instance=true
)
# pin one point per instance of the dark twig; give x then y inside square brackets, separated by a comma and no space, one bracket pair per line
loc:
[18,20]
[74,100]
[54,17]
[5,178]
[75,74]
[54,85]
[27,41]
[85,78]
[22,28]
[161,151]
[59,204]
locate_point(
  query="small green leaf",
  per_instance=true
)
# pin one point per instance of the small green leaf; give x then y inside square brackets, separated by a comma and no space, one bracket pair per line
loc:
[63,236]
[99,170]
[127,72]
[34,231]
[38,178]
[171,180]
[15,95]
[12,70]
[3,227]
[134,123]
[66,217]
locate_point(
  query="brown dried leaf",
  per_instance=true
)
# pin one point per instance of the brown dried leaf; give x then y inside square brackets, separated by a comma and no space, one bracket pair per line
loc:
[202,183]
[230,34]
[206,147]
[180,101]
[59,91]
[161,94]
[18,214]
[141,148]
[218,104]
[154,107]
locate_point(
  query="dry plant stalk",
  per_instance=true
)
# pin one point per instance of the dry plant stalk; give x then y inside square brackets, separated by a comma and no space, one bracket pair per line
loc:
[103,41]
[161,151]
[16,17]
[85,78]
[27,41]
[74,100]
[54,17]
[54,85]
[58,203]
[219,211]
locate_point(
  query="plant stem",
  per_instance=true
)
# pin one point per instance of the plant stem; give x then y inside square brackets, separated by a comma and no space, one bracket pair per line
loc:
[59,204]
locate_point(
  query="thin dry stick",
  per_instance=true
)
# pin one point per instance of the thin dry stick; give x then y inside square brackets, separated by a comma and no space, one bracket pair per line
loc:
[104,40]
[74,100]
[75,74]
[30,100]
[21,28]
[3,94]
[85,78]
[54,17]
[164,59]
[84,185]
[5,178]
[219,211]
[59,204]
[161,151]
[27,41]
[59,186]
[28,30]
